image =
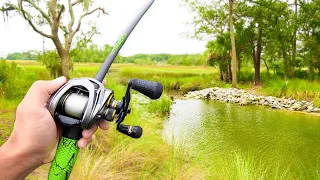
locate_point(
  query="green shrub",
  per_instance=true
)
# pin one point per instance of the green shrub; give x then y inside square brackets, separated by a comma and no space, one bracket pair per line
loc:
[4,71]
[245,75]
[301,74]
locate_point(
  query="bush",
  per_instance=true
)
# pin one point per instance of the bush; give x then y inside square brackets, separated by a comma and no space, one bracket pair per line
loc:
[52,61]
[9,87]
[4,72]
[301,74]
[245,75]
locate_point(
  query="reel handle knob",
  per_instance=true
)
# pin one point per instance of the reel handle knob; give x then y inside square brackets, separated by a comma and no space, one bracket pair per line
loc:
[151,89]
[132,131]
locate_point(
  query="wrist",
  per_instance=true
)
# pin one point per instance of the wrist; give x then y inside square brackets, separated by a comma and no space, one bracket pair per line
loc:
[15,163]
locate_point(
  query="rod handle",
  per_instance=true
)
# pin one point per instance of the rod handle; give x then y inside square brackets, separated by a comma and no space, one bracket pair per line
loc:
[63,162]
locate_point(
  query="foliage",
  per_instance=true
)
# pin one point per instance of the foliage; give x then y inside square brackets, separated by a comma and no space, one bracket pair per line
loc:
[284,35]
[161,106]
[51,60]
[152,57]
[294,88]
[187,60]
[174,59]
[92,53]
[10,85]
[22,56]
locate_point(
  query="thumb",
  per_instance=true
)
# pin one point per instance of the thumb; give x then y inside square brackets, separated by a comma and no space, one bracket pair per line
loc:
[54,85]
[41,91]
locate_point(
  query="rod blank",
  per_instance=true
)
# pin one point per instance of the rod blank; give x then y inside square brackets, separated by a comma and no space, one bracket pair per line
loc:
[109,60]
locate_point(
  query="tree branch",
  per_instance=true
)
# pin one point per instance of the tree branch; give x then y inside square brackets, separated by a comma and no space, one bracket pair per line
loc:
[40,10]
[71,15]
[86,14]
[27,17]
[76,2]
[7,8]
[52,8]
[64,29]
[60,13]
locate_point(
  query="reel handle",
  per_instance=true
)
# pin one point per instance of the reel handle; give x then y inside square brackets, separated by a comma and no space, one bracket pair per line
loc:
[132,131]
[151,89]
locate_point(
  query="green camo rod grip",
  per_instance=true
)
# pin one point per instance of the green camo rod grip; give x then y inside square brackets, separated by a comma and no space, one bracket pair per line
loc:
[64,160]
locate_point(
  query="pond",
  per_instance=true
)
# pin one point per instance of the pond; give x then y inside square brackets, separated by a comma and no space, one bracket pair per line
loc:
[231,141]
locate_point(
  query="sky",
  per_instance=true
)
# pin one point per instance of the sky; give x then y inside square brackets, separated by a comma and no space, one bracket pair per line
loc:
[160,30]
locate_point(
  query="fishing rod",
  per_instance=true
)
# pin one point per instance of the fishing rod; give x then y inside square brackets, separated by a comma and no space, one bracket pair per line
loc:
[84,102]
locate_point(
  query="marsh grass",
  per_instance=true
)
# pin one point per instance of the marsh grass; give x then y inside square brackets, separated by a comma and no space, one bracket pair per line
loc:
[174,79]
[295,88]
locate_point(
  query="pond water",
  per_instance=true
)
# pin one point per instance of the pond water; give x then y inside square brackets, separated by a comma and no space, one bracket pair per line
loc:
[246,142]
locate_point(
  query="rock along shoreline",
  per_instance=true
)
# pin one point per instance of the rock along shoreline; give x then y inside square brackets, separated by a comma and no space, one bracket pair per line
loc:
[243,97]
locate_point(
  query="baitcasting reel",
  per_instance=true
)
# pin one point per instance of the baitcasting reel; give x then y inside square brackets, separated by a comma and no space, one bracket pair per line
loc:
[82,103]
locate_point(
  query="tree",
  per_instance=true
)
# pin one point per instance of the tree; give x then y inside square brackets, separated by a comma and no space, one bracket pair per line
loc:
[47,19]
[273,32]
[219,55]
[294,39]
[211,22]
[234,55]
[309,21]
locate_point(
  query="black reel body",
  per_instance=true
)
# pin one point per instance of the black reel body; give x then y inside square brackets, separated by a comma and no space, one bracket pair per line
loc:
[83,102]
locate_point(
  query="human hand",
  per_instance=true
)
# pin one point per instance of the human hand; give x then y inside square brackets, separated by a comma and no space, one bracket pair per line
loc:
[35,134]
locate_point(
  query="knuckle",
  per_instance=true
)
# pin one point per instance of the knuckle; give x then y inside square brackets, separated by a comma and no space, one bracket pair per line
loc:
[37,83]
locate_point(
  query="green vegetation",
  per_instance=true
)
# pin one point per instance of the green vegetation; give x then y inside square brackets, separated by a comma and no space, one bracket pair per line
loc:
[92,53]
[277,35]
[115,156]
[112,155]
[22,56]
[174,78]
[277,44]
[295,88]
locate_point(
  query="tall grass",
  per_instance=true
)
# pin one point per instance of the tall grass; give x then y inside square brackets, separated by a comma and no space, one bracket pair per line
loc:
[295,88]
[174,80]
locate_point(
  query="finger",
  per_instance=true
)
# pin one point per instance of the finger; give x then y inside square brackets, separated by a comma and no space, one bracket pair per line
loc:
[90,132]
[40,91]
[83,142]
[104,125]
[104,82]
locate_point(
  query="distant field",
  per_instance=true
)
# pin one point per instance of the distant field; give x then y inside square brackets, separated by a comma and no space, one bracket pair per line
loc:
[97,65]
[175,79]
